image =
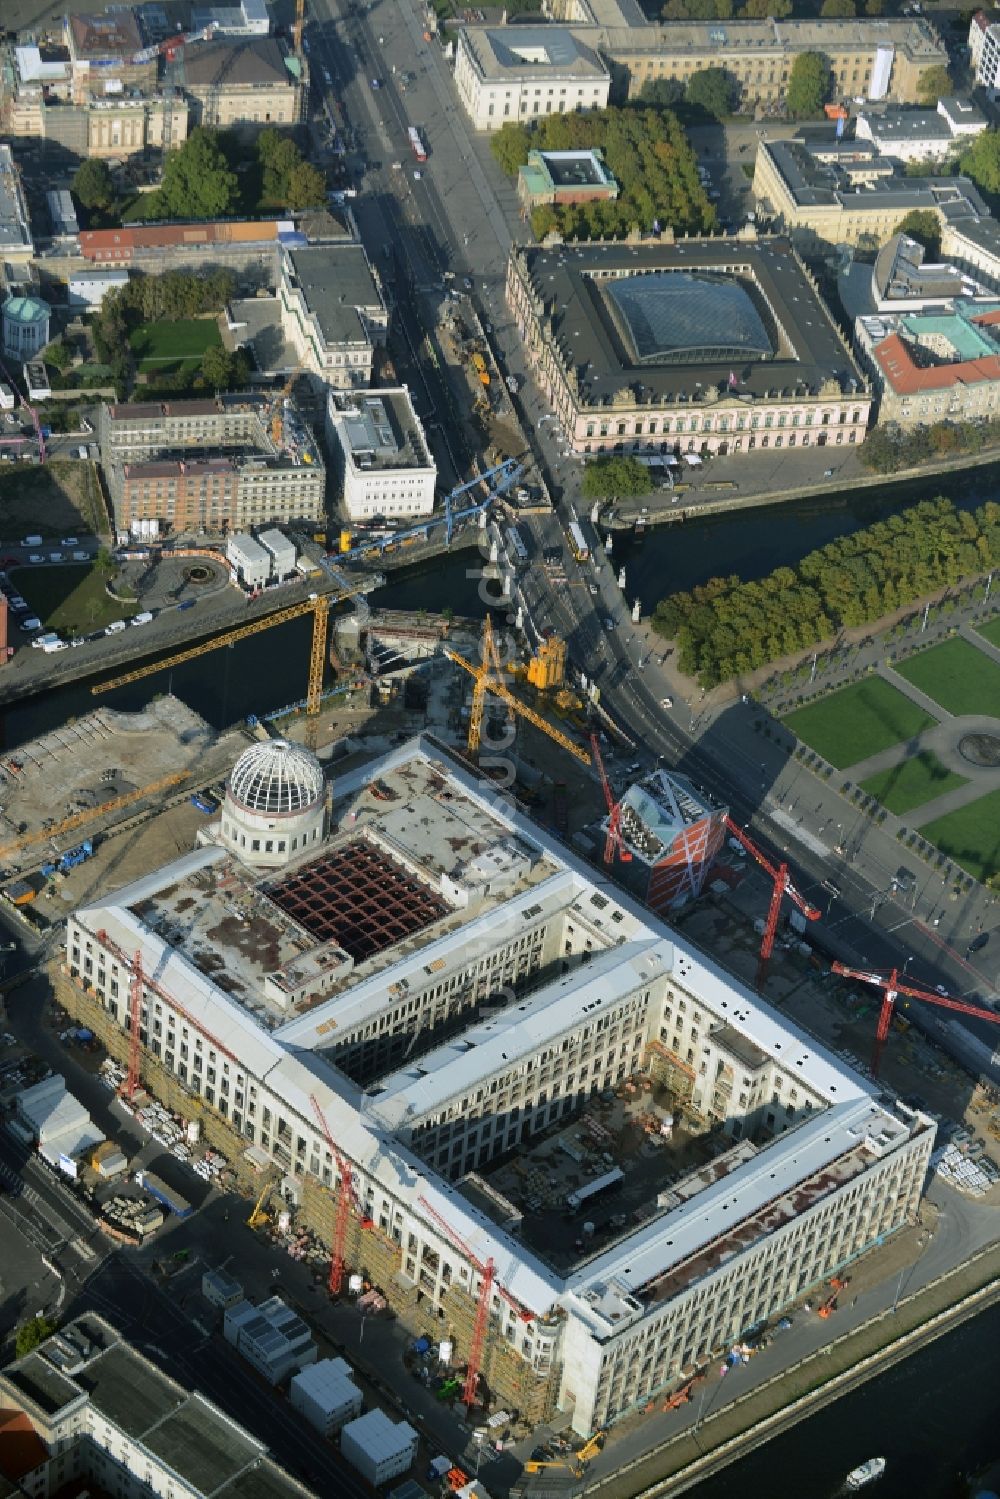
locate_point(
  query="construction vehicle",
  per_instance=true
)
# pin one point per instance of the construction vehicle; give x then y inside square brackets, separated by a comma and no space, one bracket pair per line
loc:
[892,988]
[828,1308]
[613,843]
[78,819]
[591,1447]
[487,682]
[547,667]
[479,365]
[487,1284]
[70,859]
[782,885]
[300,17]
[318,605]
[258,1216]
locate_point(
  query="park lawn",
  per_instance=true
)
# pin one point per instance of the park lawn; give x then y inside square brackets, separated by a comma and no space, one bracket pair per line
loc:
[160,347]
[70,599]
[858,721]
[990,631]
[970,835]
[912,783]
[956,675]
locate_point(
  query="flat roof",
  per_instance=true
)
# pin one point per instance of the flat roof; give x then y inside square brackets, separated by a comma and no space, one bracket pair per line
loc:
[337,284]
[128,1390]
[202,1445]
[381,431]
[571,279]
[816,176]
[524,51]
[108,33]
[36,1380]
[915,38]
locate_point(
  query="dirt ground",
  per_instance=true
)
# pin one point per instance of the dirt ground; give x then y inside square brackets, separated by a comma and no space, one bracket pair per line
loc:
[60,499]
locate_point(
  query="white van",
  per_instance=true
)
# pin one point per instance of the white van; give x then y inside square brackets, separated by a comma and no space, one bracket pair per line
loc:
[116,627]
[142,619]
[54,645]
[32,541]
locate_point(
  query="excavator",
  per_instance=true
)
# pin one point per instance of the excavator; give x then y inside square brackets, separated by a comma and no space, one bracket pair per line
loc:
[576,1462]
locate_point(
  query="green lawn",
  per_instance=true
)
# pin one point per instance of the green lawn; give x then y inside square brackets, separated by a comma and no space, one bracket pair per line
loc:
[970,836]
[858,721]
[957,676]
[160,347]
[68,598]
[990,631]
[912,783]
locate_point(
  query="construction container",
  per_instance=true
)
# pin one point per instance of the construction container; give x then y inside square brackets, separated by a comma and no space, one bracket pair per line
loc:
[108,1160]
[220,1289]
[19,892]
[377,1448]
[158,1188]
[326,1395]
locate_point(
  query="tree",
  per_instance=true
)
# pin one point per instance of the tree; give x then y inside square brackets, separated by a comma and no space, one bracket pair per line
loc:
[58,355]
[758,10]
[981,161]
[842,10]
[92,185]
[662,93]
[510,146]
[618,476]
[197,182]
[306,186]
[874,7]
[711,90]
[923,225]
[809,85]
[934,84]
[30,1334]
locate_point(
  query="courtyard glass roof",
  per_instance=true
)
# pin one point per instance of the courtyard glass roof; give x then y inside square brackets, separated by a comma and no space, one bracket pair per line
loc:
[673,315]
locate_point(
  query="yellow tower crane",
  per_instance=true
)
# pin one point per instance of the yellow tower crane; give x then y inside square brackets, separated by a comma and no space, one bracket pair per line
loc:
[487,681]
[318,605]
[91,814]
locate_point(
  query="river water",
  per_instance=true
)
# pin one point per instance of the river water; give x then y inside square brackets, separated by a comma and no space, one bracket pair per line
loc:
[933,1417]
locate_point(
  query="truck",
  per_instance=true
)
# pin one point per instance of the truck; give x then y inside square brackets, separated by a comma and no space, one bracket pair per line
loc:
[70,859]
[594,1189]
[416,143]
[204,803]
[158,1188]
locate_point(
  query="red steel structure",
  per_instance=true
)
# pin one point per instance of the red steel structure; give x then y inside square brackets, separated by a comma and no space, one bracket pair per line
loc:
[613,842]
[782,886]
[891,990]
[345,1201]
[131,1082]
[487,1280]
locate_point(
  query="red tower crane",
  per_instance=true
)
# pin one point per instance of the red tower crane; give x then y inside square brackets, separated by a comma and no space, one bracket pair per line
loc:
[891,989]
[782,886]
[131,1082]
[487,1281]
[346,1200]
[614,839]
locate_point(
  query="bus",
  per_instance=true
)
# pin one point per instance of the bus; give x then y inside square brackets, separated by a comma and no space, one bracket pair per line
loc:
[416,144]
[581,550]
[516,548]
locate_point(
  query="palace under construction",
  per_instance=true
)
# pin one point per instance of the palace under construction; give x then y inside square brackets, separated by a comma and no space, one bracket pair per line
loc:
[400,988]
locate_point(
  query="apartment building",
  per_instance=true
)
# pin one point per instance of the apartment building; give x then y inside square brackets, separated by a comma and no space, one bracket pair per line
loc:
[869,59]
[426,903]
[382,459]
[719,346]
[984,52]
[973,243]
[823,192]
[86,1408]
[936,364]
[921,134]
[332,311]
[521,73]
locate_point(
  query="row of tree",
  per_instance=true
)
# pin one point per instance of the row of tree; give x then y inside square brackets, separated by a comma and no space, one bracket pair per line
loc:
[887,450]
[211,176]
[749,10]
[646,150]
[729,627]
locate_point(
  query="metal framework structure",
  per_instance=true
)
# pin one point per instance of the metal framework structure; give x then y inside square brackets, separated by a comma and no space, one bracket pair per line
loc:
[892,988]
[487,1282]
[359,898]
[79,819]
[504,474]
[486,677]
[345,1201]
[782,886]
[614,841]
[131,1083]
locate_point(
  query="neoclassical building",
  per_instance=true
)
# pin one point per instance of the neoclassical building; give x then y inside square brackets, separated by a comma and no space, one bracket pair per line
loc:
[714,345]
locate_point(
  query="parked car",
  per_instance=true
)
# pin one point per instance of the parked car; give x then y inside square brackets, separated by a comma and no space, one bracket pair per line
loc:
[31,624]
[36,557]
[71,541]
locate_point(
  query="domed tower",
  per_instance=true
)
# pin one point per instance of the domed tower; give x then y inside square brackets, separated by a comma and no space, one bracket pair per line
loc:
[275,804]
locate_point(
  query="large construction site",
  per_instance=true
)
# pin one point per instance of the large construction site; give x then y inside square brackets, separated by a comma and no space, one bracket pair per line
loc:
[379,992]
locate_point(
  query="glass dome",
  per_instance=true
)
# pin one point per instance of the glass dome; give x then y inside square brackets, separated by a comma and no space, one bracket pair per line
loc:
[276,778]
